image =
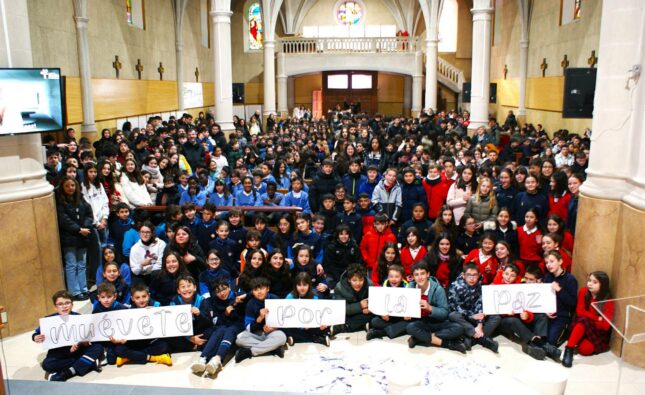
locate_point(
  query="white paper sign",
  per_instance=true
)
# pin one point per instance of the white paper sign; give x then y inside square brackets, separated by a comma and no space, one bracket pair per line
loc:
[193,95]
[395,302]
[515,298]
[304,313]
[152,323]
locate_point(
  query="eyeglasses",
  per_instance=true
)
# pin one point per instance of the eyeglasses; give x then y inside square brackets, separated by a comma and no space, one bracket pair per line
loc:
[63,304]
[145,232]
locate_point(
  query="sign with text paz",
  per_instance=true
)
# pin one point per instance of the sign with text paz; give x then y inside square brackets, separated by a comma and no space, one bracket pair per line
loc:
[395,302]
[515,298]
[150,323]
[304,313]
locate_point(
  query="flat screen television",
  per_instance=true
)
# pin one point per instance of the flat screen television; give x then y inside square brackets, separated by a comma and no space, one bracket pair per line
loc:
[31,100]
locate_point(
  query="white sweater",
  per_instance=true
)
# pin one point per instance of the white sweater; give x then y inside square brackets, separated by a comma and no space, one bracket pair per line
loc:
[98,200]
[140,251]
[136,194]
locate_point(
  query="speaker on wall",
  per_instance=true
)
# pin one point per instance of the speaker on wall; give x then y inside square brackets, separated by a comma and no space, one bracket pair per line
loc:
[238,93]
[579,91]
[467,89]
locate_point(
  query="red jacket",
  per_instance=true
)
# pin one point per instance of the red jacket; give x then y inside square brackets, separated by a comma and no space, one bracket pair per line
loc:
[372,245]
[487,278]
[567,242]
[561,207]
[591,313]
[407,261]
[530,245]
[436,194]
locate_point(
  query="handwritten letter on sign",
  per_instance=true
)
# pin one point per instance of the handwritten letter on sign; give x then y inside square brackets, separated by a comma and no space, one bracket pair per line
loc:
[156,322]
[395,302]
[304,313]
[515,298]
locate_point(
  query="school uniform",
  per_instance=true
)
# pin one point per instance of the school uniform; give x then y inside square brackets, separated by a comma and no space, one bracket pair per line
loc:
[305,335]
[338,256]
[199,198]
[426,233]
[117,232]
[237,233]
[122,290]
[163,287]
[408,259]
[566,300]
[355,320]
[242,198]
[315,278]
[524,201]
[253,337]
[220,199]
[591,332]
[137,351]
[509,235]
[482,261]
[79,363]
[110,348]
[265,238]
[372,244]
[206,233]
[353,182]
[300,199]
[200,324]
[193,225]
[331,219]
[229,254]
[466,243]
[225,328]
[313,240]
[395,326]
[411,194]
[529,241]
[207,277]
[355,223]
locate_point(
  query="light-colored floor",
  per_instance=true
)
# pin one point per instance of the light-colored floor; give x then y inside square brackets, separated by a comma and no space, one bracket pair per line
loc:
[364,366]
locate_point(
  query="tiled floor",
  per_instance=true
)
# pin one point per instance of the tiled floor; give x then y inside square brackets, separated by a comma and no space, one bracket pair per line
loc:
[590,375]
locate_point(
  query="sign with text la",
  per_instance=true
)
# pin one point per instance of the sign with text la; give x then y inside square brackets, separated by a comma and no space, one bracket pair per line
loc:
[515,298]
[304,313]
[395,302]
[134,324]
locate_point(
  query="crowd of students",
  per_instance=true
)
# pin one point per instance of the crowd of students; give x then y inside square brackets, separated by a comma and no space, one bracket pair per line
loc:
[391,202]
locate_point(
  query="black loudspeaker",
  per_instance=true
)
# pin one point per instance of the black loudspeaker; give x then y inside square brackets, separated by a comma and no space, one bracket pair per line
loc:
[238,93]
[466,93]
[579,91]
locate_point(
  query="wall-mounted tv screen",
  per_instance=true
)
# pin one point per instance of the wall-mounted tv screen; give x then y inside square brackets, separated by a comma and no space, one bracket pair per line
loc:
[31,100]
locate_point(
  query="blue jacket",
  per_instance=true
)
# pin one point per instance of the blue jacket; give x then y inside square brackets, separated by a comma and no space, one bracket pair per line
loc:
[260,201]
[425,231]
[524,201]
[163,288]
[199,198]
[117,232]
[220,200]
[505,197]
[284,182]
[303,201]
[205,234]
[229,252]
[410,195]
[207,277]
[355,223]
[368,187]
[214,309]
[130,238]
[313,240]
[252,312]
[242,199]
[200,322]
[353,182]
[97,307]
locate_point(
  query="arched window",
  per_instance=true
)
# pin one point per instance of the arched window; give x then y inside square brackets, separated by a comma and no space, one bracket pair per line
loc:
[255,26]
[448,27]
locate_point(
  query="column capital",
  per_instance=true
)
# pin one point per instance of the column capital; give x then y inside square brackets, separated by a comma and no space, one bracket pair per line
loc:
[81,21]
[524,43]
[221,16]
[269,43]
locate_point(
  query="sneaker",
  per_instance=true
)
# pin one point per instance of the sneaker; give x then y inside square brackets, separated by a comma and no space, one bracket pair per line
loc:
[84,296]
[367,327]
[489,343]
[336,329]
[279,352]
[78,297]
[214,365]
[454,345]
[121,361]
[162,359]
[324,340]
[552,352]
[199,365]
[56,377]
[412,342]
[468,342]
[242,354]
[534,351]
[290,341]
[374,334]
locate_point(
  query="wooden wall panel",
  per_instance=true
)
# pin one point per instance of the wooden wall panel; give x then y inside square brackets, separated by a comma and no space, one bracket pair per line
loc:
[508,92]
[209,94]
[254,93]
[545,93]
[390,88]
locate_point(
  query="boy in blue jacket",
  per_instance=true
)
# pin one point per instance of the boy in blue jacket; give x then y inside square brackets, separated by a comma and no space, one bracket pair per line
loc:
[105,302]
[63,363]
[187,294]
[228,250]
[225,310]
[206,228]
[297,197]
[258,338]
[433,328]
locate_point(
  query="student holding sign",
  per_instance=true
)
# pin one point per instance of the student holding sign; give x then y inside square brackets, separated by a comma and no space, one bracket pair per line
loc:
[302,289]
[465,299]
[566,291]
[352,287]
[433,327]
[63,363]
[384,325]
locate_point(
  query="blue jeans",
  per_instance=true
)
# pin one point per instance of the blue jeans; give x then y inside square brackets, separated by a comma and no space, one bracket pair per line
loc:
[75,269]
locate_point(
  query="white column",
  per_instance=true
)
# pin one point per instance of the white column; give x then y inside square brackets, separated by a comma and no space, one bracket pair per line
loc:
[84,71]
[282,85]
[291,93]
[22,175]
[431,74]
[417,85]
[407,94]
[222,65]
[617,165]
[524,64]
[480,74]
[269,78]
[179,7]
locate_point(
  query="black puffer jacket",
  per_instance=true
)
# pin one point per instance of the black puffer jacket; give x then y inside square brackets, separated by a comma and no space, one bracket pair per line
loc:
[340,255]
[70,221]
[321,185]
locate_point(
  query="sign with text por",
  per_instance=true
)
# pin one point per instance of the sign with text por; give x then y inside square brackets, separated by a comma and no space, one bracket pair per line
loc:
[304,313]
[515,298]
[395,302]
[134,324]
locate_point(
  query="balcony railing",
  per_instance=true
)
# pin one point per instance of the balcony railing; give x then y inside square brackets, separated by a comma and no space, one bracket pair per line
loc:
[451,73]
[348,45]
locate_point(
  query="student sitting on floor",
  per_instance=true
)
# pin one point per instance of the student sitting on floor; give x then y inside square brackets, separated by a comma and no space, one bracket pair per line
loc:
[465,300]
[302,290]
[225,310]
[352,287]
[384,325]
[63,363]
[433,327]
[144,350]
[259,338]
[187,294]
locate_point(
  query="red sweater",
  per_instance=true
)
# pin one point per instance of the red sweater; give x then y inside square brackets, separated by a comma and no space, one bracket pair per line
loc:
[567,242]
[407,261]
[591,313]
[518,279]
[372,245]
[566,261]
[436,194]
[529,318]
[561,207]
[487,278]
[530,245]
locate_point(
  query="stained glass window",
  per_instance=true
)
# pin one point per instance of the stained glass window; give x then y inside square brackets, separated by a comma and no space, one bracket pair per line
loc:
[349,13]
[256,28]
